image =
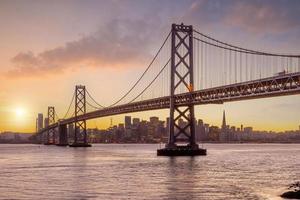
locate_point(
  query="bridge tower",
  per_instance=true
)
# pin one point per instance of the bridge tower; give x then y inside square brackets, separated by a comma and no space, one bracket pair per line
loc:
[181,79]
[80,136]
[50,139]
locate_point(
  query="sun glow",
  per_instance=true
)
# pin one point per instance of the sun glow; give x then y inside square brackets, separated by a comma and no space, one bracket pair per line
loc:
[20,112]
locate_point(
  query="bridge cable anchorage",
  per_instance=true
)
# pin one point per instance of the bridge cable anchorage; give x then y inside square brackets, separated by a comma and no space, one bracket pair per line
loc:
[100,106]
[143,74]
[243,50]
[151,82]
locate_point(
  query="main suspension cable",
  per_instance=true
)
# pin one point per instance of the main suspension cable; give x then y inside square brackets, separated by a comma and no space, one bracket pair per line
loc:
[247,52]
[92,105]
[69,106]
[151,82]
[146,70]
[100,106]
[236,48]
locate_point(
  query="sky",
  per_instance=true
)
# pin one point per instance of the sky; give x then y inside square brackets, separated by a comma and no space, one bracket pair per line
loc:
[48,47]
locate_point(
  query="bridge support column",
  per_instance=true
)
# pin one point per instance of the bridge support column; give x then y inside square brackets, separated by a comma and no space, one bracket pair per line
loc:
[181,79]
[39,138]
[50,135]
[63,135]
[80,136]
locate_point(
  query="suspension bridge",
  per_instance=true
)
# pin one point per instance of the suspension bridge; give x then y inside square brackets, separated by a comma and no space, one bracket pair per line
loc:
[190,68]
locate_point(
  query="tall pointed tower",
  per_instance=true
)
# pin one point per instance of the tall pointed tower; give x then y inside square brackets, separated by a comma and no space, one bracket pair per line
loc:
[224,126]
[223,137]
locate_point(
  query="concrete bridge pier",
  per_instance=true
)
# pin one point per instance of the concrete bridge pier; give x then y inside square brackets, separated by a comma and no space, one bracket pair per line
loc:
[62,135]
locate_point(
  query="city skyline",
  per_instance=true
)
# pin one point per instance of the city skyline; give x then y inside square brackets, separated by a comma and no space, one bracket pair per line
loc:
[33,63]
[42,122]
[223,124]
[155,130]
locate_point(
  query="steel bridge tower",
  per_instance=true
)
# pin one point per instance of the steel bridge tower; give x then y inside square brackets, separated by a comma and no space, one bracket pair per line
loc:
[80,136]
[50,138]
[182,77]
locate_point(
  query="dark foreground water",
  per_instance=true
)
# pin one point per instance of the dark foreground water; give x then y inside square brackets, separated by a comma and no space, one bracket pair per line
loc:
[229,171]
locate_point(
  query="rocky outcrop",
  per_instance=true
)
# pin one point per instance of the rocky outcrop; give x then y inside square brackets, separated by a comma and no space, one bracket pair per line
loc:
[291,195]
[295,193]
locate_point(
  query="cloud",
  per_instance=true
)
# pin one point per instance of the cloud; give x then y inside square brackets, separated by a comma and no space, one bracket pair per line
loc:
[206,13]
[127,42]
[264,16]
[255,16]
[121,43]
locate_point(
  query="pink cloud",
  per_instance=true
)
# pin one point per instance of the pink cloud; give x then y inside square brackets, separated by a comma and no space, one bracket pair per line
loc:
[120,44]
[259,17]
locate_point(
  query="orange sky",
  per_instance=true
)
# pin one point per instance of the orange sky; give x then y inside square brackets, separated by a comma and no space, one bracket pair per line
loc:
[47,47]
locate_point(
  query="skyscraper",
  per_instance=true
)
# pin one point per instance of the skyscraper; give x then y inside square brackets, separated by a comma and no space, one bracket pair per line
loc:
[154,120]
[40,121]
[135,121]
[224,126]
[46,122]
[224,136]
[127,122]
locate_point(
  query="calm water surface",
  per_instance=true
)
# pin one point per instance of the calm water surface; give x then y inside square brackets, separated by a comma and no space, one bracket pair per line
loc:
[229,171]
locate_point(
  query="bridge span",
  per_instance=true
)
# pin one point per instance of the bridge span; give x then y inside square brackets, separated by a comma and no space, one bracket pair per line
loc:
[280,85]
[197,70]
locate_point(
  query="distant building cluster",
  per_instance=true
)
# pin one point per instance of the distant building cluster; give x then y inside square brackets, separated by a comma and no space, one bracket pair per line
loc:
[135,130]
[156,131]
[41,122]
[246,134]
[12,137]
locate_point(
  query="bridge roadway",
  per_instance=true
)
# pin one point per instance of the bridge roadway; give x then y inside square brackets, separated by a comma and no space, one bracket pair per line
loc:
[280,85]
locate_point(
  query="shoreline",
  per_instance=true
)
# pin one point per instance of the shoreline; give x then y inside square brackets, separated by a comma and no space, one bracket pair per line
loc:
[164,143]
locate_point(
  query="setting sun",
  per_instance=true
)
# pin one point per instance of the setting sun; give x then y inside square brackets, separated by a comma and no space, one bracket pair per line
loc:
[19,112]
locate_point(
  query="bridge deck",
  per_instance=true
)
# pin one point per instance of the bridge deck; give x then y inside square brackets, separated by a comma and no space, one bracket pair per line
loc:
[288,84]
